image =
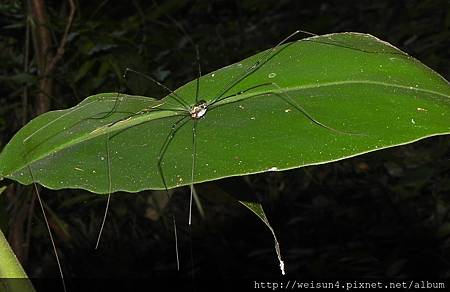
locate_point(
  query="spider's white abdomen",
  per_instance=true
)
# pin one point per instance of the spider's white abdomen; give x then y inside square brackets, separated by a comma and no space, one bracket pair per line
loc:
[199,110]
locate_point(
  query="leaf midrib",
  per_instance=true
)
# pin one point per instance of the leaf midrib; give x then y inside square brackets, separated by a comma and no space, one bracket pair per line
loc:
[147,117]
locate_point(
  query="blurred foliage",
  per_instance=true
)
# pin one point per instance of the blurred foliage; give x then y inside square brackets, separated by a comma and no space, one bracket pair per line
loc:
[384,214]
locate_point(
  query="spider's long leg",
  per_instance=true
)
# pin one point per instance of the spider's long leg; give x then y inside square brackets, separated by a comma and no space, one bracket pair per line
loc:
[194,154]
[97,116]
[197,89]
[274,51]
[197,53]
[289,100]
[73,110]
[48,228]
[280,93]
[213,105]
[175,127]
[108,164]
[266,57]
[172,94]
[197,92]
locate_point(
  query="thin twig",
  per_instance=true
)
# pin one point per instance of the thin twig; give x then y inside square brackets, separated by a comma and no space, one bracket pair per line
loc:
[62,44]
[25,70]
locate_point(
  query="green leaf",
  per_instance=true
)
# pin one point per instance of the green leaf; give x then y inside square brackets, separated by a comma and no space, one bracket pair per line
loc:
[373,95]
[13,277]
[258,210]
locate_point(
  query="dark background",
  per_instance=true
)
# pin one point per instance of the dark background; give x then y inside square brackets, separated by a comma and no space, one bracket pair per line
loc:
[379,215]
